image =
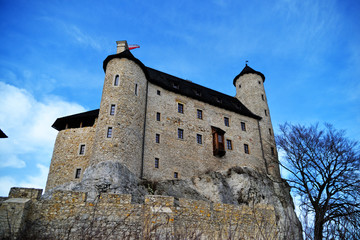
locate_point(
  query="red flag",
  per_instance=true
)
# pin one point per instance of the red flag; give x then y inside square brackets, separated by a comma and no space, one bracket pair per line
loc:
[133,46]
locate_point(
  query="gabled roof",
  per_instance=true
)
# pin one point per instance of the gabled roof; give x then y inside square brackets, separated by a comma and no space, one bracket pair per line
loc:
[247,70]
[73,121]
[198,92]
[2,134]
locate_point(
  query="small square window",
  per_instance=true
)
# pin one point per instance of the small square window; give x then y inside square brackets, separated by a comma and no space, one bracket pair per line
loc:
[82,149]
[109,132]
[158,115]
[243,126]
[199,114]
[228,144]
[112,109]
[199,138]
[180,108]
[226,121]
[246,148]
[158,92]
[259,82]
[157,138]
[176,175]
[156,163]
[265,112]
[180,133]
[272,151]
[78,173]
[116,81]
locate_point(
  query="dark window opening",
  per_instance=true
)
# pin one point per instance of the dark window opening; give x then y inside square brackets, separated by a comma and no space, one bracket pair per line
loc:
[246,148]
[158,92]
[199,114]
[82,149]
[219,100]
[109,132]
[228,144]
[198,93]
[157,138]
[116,81]
[176,85]
[226,121]
[78,173]
[272,151]
[262,97]
[176,175]
[259,82]
[136,89]
[112,109]
[199,138]
[156,163]
[158,116]
[218,141]
[270,131]
[265,112]
[243,126]
[180,133]
[239,85]
[180,108]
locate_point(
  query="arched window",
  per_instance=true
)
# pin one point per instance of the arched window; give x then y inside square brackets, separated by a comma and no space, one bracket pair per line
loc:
[116,81]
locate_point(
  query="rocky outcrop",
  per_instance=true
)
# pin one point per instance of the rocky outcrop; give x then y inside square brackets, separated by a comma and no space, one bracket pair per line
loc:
[238,185]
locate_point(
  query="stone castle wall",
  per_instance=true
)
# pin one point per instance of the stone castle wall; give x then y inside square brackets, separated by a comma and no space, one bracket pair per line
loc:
[185,156]
[66,155]
[70,215]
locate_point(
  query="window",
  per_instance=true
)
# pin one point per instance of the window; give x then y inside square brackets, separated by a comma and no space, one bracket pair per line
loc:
[136,89]
[243,126]
[199,138]
[180,133]
[78,173]
[228,144]
[262,97]
[239,85]
[176,85]
[198,93]
[157,138]
[112,109]
[176,175]
[158,116]
[199,114]
[270,131]
[259,82]
[109,132]
[158,92]
[265,112]
[156,163]
[116,81]
[272,151]
[219,100]
[180,108]
[246,148]
[82,149]
[226,121]
[218,141]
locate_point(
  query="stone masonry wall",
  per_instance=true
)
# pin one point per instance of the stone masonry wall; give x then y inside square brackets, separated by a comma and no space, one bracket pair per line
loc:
[125,144]
[186,156]
[66,158]
[69,215]
[250,90]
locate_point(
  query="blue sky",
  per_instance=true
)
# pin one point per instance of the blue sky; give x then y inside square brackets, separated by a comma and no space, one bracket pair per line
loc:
[51,55]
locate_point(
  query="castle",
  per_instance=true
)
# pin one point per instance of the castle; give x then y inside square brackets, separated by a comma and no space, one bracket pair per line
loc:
[162,127]
[163,158]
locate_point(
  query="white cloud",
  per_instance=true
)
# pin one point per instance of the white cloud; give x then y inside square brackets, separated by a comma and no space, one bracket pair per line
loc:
[27,122]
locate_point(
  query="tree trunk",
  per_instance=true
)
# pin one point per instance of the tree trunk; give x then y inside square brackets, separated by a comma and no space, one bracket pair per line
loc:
[319,226]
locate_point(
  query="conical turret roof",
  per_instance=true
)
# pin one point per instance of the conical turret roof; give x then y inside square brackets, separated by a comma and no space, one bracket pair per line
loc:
[246,70]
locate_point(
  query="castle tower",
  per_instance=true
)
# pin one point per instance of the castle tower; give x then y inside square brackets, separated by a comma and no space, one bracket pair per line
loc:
[120,127]
[250,91]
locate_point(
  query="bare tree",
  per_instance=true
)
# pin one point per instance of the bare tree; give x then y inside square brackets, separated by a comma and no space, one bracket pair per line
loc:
[324,171]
